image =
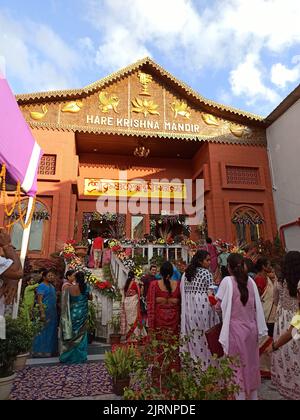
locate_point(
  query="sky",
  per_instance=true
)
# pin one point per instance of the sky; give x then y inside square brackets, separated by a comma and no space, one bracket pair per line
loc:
[240,53]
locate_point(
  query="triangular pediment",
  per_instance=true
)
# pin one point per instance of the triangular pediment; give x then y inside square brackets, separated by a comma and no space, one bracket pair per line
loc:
[142,99]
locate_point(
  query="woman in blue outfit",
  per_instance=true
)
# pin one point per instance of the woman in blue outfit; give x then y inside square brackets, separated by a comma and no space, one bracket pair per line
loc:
[45,343]
[73,323]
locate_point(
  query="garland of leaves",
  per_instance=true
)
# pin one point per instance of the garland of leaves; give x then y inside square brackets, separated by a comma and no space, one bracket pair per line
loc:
[158,221]
[120,219]
[37,216]
[106,288]
[247,219]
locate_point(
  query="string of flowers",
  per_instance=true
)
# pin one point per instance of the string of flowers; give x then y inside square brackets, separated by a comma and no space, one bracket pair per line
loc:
[73,262]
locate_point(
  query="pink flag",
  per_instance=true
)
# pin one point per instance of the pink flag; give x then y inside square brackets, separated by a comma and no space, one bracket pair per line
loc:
[18,149]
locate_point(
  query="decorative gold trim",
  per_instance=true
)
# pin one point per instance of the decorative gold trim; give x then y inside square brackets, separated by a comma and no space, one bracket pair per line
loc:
[224,139]
[63,94]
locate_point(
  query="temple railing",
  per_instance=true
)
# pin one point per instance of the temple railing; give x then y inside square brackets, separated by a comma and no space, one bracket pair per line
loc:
[170,252]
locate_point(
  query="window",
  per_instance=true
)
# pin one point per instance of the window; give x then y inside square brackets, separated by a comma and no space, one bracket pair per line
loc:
[248,225]
[47,165]
[137,227]
[36,239]
[242,176]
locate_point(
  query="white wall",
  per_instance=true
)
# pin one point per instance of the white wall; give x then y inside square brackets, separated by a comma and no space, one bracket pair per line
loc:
[284,152]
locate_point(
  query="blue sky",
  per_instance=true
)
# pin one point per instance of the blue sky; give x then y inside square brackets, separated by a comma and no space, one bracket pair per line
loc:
[238,52]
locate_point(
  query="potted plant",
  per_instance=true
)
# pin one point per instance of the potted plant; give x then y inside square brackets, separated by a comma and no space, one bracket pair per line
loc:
[81,248]
[115,324]
[91,328]
[120,364]
[8,354]
[26,331]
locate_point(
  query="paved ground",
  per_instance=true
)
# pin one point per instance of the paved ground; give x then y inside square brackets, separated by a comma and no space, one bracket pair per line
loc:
[96,353]
[268,392]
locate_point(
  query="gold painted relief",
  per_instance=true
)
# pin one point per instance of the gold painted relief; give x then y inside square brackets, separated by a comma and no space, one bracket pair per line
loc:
[145,80]
[39,115]
[181,108]
[144,107]
[108,102]
[240,131]
[210,119]
[73,107]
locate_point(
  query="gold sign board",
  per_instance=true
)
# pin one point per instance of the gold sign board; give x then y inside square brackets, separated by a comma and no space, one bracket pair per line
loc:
[139,189]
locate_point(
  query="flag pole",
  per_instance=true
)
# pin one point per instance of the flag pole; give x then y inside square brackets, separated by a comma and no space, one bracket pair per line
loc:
[24,246]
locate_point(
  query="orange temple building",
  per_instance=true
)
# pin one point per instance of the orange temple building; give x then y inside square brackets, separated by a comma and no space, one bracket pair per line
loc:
[144,121]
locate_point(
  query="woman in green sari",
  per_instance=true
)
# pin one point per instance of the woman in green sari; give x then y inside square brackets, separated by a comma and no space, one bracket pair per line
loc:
[74,317]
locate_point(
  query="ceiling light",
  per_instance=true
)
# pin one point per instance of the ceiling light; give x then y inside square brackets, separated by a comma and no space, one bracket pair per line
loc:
[141,151]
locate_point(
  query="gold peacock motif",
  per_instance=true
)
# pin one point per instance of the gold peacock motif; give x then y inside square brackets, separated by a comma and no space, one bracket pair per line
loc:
[181,108]
[108,102]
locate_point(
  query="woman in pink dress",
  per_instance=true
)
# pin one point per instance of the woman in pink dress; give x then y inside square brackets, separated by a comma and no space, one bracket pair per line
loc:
[243,324]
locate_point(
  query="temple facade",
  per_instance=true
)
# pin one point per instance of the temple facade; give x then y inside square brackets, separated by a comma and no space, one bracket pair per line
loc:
[139,134]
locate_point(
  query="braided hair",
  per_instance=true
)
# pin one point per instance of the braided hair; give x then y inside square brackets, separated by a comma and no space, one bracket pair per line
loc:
[166,270]
[128,281]
[237,267]
[196,263]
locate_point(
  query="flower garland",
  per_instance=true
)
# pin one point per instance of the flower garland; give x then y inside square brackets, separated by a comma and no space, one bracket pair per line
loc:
[74,263]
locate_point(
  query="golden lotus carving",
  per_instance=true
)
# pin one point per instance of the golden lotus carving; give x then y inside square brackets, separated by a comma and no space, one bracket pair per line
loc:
[144,107]
[39,115]
[108,102]
[240,131]
[73,107]
[145,79]
[210,119]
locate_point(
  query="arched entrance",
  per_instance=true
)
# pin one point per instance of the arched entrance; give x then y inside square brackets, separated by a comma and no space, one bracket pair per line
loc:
[108,225]
[170,228]
[248,225]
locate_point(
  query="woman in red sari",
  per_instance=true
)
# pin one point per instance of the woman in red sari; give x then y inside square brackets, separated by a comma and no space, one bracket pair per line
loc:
[131,316]
[163,302]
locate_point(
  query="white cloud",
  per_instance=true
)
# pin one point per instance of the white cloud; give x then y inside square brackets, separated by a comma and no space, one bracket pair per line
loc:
[220,36]
[282,75]
[36,56]
[247,79]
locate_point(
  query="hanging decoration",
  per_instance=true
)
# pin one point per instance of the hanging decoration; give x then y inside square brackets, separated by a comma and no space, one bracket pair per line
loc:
[16,206]
[247,219]
[118,219]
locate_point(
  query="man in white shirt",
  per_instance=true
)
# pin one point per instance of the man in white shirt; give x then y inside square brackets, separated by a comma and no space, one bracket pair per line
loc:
[10,272]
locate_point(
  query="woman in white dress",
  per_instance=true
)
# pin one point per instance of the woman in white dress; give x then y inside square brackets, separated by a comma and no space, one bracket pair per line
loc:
[196,312]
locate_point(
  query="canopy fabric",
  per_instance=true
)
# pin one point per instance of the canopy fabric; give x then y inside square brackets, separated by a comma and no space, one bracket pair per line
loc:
[18,149]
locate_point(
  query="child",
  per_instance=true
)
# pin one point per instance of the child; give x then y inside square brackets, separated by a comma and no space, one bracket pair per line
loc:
[222,260]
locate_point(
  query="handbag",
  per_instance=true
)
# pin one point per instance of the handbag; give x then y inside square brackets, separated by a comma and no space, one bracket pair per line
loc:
[212,336]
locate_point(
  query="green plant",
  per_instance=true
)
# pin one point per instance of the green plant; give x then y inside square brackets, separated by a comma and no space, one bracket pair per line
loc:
[91,325]
[82,243]
[120,363]
[159,375]
[115,323]
[20,334]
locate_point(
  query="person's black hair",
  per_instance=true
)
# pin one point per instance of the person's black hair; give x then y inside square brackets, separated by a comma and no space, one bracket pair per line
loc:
[69,273]
[196,263]
[208,240]
[261,263]
[236,264]
[250,265]
[166,271]
[80,280]
[291,271]
[128,281]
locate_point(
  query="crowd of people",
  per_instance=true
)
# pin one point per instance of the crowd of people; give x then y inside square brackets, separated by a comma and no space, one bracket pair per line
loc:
[259,310]
[260,314]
